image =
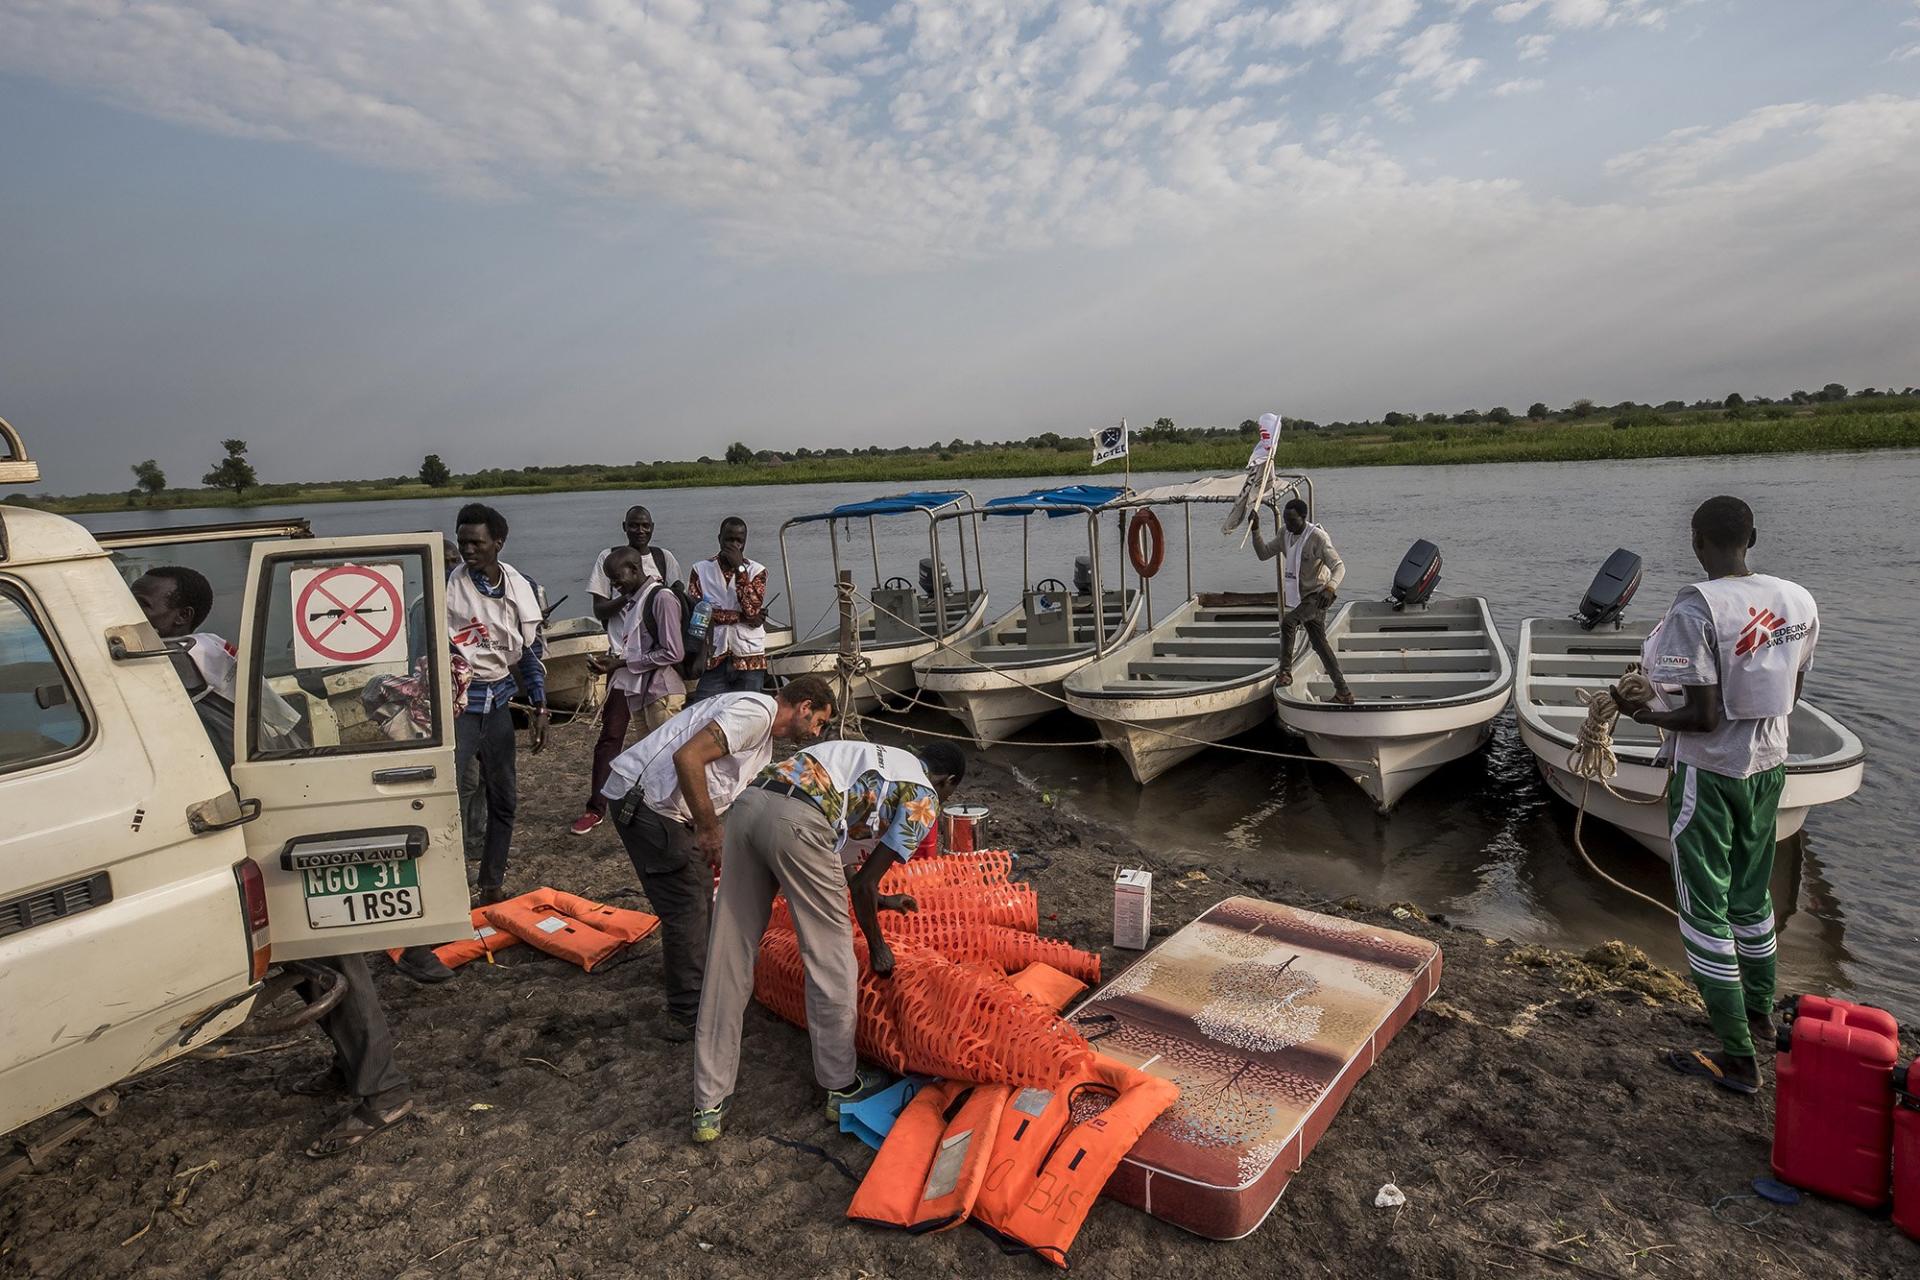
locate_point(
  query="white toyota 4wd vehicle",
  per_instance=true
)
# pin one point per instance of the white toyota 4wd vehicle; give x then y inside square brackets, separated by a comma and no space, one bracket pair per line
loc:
[145,899]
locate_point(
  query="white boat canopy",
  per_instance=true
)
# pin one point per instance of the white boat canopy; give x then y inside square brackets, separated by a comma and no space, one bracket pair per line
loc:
[1225,488]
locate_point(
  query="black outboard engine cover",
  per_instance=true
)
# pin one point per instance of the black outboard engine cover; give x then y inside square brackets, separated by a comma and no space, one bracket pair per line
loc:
[1417,576]
[1612,590]
[926,578]
[1083,575]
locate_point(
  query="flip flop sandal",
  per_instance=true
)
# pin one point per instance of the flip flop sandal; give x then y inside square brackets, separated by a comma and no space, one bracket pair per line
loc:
[1692,1062]
[355,1128]
[320,1084]
[1285,680]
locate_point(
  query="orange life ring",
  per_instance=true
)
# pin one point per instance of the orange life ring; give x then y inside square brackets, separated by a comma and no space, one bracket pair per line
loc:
[1146,546]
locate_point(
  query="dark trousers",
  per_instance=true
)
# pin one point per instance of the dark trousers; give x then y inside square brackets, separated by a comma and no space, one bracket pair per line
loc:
[488,738]
[727,678]
[362,1041]
[679,885]
[615,717]
[1310,614]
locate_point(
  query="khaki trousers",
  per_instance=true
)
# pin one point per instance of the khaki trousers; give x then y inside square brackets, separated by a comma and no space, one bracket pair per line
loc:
[777,843]
[661,710]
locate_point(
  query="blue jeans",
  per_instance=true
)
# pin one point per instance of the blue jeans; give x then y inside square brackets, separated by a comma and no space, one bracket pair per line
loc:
[726,678]
[487,737]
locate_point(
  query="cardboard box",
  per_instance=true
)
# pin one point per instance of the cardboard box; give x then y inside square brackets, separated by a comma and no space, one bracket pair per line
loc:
[1132,909]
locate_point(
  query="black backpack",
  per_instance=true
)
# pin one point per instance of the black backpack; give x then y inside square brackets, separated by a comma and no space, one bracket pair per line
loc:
[694,662]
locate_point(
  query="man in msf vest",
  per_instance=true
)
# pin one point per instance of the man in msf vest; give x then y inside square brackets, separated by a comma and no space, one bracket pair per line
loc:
[790,831]
[1727,664]
[670,792]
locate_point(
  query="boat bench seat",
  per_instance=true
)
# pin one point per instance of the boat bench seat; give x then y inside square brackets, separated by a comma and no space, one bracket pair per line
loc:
[992,653]
[1478,662]
[1390,641]
[1379,686]
[1264,647]
[1568,720]
[1197,670]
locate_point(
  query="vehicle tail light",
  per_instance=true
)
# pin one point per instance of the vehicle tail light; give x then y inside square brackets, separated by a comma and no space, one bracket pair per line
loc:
[253,904]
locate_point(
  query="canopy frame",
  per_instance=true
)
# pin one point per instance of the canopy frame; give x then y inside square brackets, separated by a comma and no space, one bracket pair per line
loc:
[928,505]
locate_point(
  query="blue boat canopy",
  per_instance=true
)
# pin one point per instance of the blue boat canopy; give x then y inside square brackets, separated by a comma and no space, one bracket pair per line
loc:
[1065,500]
[897,504]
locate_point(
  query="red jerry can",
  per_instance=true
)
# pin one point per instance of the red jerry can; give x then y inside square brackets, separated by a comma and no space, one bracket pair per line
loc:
[1833,1104]
[1906,1153]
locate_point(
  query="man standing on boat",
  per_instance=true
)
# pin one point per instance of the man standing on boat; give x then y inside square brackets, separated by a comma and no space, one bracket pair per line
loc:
[1732,653]
[1312,576]
[657,564]
[494,621]
[735,589]
[669,792]
[829,819]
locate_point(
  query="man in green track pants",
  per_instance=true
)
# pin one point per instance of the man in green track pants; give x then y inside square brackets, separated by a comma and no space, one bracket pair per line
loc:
[1727,663]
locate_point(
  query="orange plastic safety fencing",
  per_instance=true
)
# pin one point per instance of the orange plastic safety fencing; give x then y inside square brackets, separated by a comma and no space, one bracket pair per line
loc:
[984,866]
[933,1016]
[1005,906]
[965,940]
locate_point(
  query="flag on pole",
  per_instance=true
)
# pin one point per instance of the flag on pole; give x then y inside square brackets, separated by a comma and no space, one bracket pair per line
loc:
[1109,443]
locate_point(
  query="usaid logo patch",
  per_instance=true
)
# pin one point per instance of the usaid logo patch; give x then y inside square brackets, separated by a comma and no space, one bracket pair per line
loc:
[1673,662]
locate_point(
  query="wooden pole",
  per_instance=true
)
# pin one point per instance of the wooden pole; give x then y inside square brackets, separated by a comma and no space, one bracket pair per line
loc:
[849,663]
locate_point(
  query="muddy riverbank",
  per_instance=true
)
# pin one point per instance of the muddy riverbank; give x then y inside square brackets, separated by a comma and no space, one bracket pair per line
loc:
[1522,1112]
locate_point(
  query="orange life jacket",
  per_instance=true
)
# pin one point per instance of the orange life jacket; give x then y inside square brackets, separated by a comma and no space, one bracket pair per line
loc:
[1047,1169]
[930,1168]
[485,941]
[547,919]
[1042,982]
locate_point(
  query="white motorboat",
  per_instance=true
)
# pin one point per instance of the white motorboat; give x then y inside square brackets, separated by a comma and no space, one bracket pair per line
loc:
[1427,680]
[1205,672]
[1007,674]
[1559,659]
[897,625]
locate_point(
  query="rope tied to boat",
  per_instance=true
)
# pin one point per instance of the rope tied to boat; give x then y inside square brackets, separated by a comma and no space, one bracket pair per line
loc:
[1593,760]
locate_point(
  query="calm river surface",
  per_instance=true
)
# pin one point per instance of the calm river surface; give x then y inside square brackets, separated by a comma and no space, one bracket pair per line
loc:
[1482,841]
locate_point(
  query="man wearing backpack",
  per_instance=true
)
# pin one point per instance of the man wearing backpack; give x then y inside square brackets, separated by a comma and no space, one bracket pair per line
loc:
[656,564]
[643,666]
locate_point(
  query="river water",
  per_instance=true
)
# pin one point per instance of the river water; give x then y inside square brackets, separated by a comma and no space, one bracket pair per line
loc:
[1482,841]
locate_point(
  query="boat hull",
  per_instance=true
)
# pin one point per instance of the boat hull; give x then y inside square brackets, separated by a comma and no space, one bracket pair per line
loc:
[1388,765]
[1153,737]
[1636,802]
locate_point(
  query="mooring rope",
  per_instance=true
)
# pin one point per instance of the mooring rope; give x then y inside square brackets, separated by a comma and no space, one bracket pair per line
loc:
[1593,760]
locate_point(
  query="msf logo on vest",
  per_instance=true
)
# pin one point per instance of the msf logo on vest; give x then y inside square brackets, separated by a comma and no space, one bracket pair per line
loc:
[1765,627]
[475,634]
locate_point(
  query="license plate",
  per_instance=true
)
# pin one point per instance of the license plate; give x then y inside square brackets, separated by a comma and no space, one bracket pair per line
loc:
[363,893]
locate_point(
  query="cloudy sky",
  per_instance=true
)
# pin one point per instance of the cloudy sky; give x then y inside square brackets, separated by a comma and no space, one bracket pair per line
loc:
[355,232]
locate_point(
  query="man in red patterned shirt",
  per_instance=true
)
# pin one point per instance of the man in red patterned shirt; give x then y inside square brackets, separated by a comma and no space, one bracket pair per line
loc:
[736,589]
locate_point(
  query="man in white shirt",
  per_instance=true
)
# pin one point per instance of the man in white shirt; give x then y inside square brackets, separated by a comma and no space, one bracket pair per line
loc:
[610,602]
[1311,574]
[494,623]
[1727,664]
[670,790]
[735,588]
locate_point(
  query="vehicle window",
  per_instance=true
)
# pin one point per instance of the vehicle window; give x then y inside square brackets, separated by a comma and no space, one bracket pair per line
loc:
[40,715]
[223,563]
[346,660]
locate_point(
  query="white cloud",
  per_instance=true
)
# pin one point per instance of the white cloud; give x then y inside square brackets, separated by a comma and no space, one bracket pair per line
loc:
[1431,58]
[1511,88]
[1533,48]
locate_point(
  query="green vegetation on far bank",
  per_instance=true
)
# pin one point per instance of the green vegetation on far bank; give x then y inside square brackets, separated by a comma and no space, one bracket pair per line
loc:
[1733,427]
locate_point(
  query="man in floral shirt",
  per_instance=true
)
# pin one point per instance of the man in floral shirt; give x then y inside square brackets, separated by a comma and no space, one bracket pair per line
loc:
[833,817]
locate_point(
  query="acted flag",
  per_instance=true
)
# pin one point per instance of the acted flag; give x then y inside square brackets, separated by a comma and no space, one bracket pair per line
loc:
[1109,443]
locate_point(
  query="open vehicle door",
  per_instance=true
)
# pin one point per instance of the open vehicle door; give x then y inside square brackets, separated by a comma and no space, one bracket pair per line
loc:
[343,757]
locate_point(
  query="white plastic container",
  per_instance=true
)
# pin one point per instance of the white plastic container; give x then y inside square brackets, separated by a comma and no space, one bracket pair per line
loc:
[1132,909]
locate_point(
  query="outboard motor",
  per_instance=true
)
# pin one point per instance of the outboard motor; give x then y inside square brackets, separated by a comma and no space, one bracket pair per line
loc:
[1612,589]
[1083,575]
[926,578]
[1417,576]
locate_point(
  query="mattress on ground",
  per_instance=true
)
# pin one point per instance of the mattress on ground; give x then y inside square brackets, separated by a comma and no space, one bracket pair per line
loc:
[1265,1016]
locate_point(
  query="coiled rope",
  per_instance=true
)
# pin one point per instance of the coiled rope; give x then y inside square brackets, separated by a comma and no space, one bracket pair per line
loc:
[1593,760]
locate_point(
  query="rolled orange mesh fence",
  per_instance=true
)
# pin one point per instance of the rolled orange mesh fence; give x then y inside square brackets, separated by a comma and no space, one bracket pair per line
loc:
[933,1016]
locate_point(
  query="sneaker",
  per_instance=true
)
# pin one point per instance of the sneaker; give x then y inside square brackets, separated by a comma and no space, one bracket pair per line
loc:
[707,1121]
[1344,697]
[1765,1032]
[673,1029]
[420,964]
[585,823]
[865,1085]
[485,895]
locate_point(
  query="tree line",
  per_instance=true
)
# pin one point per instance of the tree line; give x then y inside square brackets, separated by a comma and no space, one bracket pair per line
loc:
[232,471]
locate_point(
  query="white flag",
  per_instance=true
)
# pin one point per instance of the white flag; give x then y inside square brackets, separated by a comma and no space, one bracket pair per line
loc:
[1109,443]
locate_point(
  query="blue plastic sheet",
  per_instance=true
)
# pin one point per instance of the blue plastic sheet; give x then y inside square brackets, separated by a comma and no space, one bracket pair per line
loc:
[1064,500]
[897,504]
[871,1118]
